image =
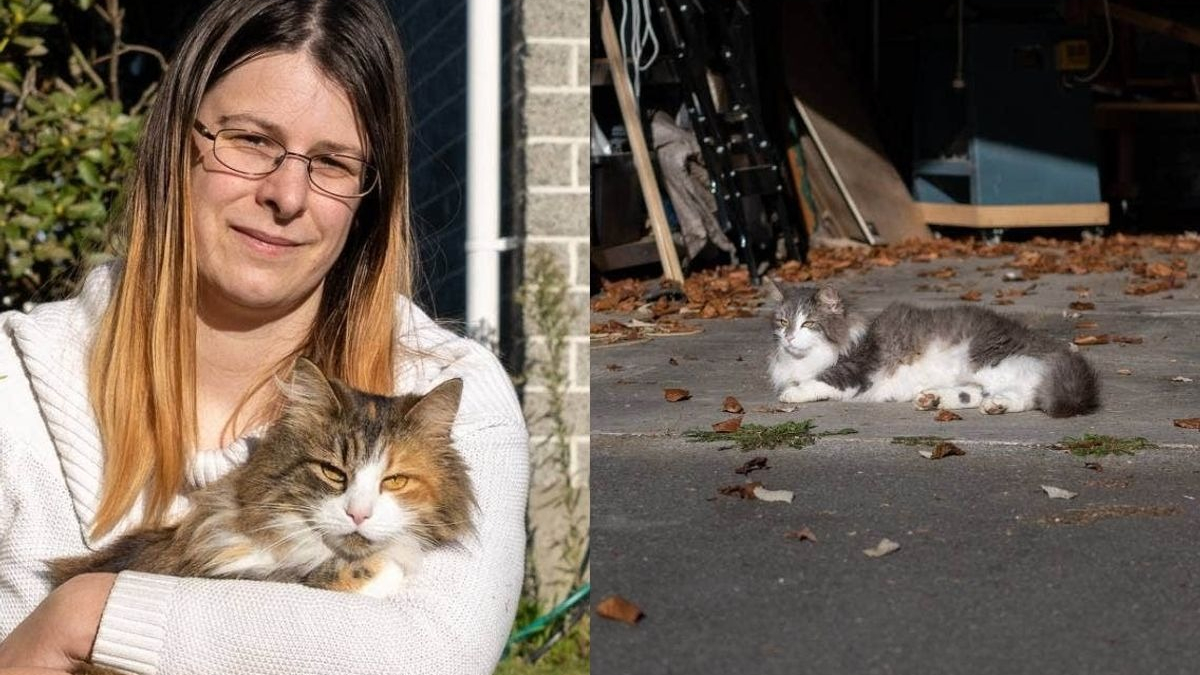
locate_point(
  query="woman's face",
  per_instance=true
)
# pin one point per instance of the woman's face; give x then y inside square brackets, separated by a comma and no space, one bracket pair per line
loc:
[265,243]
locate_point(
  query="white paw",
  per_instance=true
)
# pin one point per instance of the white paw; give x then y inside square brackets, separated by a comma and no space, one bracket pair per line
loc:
[801,394]
[994,405]
[927,400]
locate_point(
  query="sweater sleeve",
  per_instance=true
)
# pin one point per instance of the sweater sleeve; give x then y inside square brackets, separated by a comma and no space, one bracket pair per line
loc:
[451,618]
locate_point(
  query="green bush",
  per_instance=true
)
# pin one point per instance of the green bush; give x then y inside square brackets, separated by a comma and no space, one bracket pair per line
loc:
[67,141]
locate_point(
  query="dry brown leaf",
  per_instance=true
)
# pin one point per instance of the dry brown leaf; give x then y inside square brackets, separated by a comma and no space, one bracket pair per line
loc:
[740,490]
[971,296]
[731,405]
[1081,306]
[1002,301]
[947,416]
[1188,423]
[672,361]
[1127,339]
[728,426]
[1089,340]
[802,534]
[614,366]
[753,465]
[941,273]
[943,449]
[676,395]
[616,608]
[1086,325]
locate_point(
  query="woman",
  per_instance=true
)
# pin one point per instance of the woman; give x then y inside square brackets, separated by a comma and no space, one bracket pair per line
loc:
[235,266]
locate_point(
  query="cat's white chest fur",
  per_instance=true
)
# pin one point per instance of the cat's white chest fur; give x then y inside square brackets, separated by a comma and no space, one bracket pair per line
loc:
[386,582]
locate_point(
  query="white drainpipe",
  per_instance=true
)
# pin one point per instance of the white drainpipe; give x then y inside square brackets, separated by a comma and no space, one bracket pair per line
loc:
[484,242]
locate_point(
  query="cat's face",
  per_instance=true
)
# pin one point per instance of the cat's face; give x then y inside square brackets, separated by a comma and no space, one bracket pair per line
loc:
[808,318]
[362,472]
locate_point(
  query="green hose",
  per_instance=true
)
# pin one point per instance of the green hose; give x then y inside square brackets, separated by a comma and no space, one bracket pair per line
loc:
[550,617]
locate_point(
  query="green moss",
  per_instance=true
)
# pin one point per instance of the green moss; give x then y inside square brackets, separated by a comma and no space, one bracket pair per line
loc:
[931,441]
[758,437]
[1099,444]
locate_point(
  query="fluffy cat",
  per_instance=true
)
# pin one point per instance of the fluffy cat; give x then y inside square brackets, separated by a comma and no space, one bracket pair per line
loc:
[344,492]
[949,357]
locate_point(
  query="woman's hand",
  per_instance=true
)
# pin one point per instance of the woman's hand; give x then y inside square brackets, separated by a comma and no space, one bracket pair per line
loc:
[58,635]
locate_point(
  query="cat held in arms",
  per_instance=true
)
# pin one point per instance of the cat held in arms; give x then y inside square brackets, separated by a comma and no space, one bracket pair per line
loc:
[345,491]
[947,357]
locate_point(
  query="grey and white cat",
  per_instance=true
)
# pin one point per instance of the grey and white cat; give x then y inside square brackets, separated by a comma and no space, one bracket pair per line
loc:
[346,491]
[948,357]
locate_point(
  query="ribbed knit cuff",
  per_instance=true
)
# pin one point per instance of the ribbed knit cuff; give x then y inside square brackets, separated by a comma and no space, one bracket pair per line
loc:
[133,625]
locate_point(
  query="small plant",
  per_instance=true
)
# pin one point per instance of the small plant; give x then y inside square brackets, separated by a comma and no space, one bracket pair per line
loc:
[758,437]
[931,441]
[1098,444]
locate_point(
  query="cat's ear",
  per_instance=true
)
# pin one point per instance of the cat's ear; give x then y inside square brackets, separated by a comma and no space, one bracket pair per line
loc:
[434,414]
[309,392]
[830,300]
[774,293]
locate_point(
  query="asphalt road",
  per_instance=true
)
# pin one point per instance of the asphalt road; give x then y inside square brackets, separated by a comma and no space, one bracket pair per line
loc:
[992,576]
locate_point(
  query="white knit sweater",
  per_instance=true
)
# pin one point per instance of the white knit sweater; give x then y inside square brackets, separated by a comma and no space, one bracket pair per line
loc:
[452,617]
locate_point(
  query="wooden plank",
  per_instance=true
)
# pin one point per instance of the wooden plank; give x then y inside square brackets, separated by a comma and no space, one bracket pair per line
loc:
[1148,21]
[834,218]
[828,99]
[637,142]
[1015,215]
[797,172]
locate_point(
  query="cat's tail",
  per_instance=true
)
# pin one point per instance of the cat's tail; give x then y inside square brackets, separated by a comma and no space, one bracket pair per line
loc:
[1070,386]
[143,550]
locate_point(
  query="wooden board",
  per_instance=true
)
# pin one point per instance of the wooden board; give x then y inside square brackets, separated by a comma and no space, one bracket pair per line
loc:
[1018,215]
[828,100]
[834,218]
[631,114]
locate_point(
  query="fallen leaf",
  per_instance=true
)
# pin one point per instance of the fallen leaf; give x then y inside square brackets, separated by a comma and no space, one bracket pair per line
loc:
[616,608]
[731,405]
[884,547]
[946,449]
[1188,423]
[740,490]
[614,366]
[1094,466]
[947,416]
[1087,325]
[942,273]
[801,534]
[1059,493]
[763,494]
[1124,371]
[971,296]
[1089,340]
[727,426]
[1127,340]
[752,465]
[676,395]
[1081,306]
[1180,378]
[672,361]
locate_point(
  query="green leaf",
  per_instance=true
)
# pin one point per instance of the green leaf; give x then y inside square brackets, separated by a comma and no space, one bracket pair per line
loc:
[90,211]
[87,173]
[42,14]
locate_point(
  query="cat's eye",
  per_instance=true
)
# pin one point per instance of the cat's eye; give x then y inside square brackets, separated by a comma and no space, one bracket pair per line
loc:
[332,473]
[395,482]
[783,323]
[809,324]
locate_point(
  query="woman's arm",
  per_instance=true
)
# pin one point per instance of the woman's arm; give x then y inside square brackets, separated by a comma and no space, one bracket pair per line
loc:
[452,617]
[58,635]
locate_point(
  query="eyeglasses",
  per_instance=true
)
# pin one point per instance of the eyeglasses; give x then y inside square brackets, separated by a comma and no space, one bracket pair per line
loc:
[253,154]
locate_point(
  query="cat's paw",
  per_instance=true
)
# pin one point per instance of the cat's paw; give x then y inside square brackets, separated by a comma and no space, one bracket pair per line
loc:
[994,405]
[804,393]
[927,400]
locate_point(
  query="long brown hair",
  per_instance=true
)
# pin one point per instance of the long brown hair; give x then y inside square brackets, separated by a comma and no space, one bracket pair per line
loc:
[142,370]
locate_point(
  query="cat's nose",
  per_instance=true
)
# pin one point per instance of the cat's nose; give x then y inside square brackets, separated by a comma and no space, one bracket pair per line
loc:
[358,516]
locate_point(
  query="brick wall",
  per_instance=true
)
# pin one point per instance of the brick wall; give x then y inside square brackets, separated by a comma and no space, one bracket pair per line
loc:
[556,65]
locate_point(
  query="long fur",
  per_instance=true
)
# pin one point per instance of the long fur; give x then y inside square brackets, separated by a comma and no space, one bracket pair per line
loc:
[950,357]
[285,515]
